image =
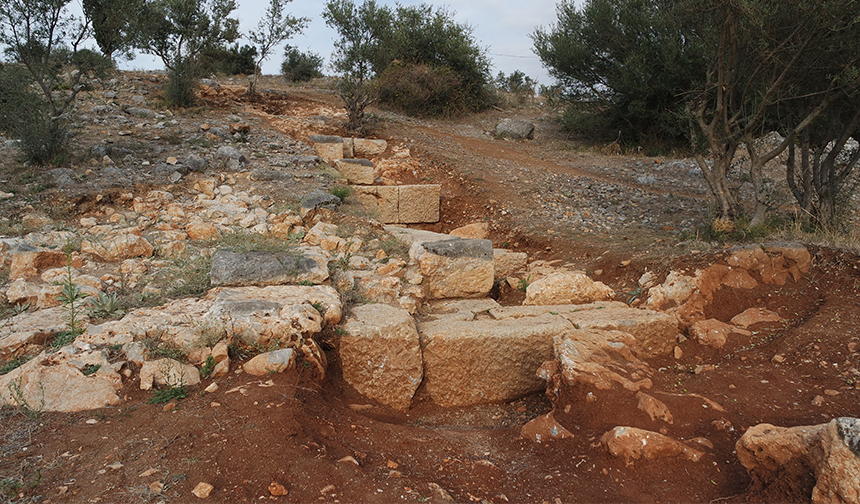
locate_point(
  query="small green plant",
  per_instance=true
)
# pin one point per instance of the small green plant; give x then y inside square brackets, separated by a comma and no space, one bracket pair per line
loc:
[91,369]
[71,296]
[105,306]
[523,283]
[160,396]
[18,401]
[13,364]
[306,283]
[340,191]
[318,306]
[208,367]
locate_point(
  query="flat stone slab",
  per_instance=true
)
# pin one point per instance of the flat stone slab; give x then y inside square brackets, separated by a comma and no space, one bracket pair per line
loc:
[267,268]
[455,268]
[654,331]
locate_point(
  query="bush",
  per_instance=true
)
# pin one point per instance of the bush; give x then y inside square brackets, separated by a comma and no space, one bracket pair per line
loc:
[299,66]
[24,114]
[422,90]
[228,61]
[182,80]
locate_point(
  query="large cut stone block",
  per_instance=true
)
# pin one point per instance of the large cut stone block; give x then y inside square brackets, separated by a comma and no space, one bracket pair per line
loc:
[356,171]
[381,354]
[419,203]
[455,268]
[380,201]
[369,147]
[267,268]
[327,147]
[486,361]
[655,332]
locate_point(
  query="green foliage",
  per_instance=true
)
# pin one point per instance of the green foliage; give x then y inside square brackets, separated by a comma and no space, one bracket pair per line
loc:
[523,283]
[228,60]
[419,90]
[113,24]
[301,66]
[208,367]
[165,395]
[71,296]
[90,369]
[274,28]
[13,364]
[181,83]
[26,115]
[340,191]
[105,306]
[630,61]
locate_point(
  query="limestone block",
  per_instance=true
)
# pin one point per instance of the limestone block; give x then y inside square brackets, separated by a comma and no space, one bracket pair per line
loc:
[566,288]
[601,360]
[506,263]
[419,203]
[634,444]
[267,268]
[279,313]
[366,147]
[381,354]
[711,332]
[516,129]
[117,247]
[654,332]
[31,327]
[56,382]
[276,361]
[753,316]
[831,451]
[455,268]
[381,202]
[20,292]
[476,231]
[327,147]
[167,372]
[356,171]
[486,361]
[32,262]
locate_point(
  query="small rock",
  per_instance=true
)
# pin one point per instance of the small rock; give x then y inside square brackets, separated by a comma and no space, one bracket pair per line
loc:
[156,487]
[202,490]
[818,401]
[678,352]
[778,359]
[277,489]
[211,388]
[327,489]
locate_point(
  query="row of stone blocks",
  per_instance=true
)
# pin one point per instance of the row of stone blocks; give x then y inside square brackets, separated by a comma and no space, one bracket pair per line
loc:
[408,204]
[471,352]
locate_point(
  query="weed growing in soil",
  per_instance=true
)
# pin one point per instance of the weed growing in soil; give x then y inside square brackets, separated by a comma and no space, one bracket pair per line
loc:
[523,283]
[160,396]
[208,367]
[340,191]
[13,364]
[105,307]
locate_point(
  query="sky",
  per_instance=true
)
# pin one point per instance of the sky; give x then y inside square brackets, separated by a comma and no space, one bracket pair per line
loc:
[501,27]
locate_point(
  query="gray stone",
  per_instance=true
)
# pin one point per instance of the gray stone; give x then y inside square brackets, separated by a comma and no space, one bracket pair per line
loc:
[320,199]
[458,247]
[455,268]
[518,130]
[140,112]
[849,430]
[266,268]
[260,174]
[194,162]
[326,139]
[228,153]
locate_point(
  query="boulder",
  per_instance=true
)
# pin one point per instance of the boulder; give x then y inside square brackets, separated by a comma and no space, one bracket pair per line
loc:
[367,147]
[600,360]
[566,288]
[30,328]
[267,268]
[711,332]
[56,382]
[231,156]
[515,129]
[319,199]
[115,247]
[167,372]
[267,363]
[381,354]
[356,171]
[778,456]
[199,230]
[455,268]
[474,231]
[30,263]
[281,314]
[483,361]
[633,444]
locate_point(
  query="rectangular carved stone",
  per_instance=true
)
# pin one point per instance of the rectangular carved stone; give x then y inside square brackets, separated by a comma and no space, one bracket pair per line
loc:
[419,203]
[380,201]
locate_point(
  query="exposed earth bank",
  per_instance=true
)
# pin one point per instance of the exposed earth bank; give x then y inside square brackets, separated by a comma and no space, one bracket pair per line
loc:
[298,436]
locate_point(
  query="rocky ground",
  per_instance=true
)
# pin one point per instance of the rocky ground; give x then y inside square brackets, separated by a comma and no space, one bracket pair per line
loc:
[620,358]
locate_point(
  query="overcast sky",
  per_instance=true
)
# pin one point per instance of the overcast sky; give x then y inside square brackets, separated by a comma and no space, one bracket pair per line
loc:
[500,26]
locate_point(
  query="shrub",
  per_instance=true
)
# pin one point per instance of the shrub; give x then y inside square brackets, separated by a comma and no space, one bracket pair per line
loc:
[421,90]
[182,80]
[228,60]
[299,66]
[24,114]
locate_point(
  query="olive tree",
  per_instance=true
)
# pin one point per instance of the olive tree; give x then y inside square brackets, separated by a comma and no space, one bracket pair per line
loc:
[274,28]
